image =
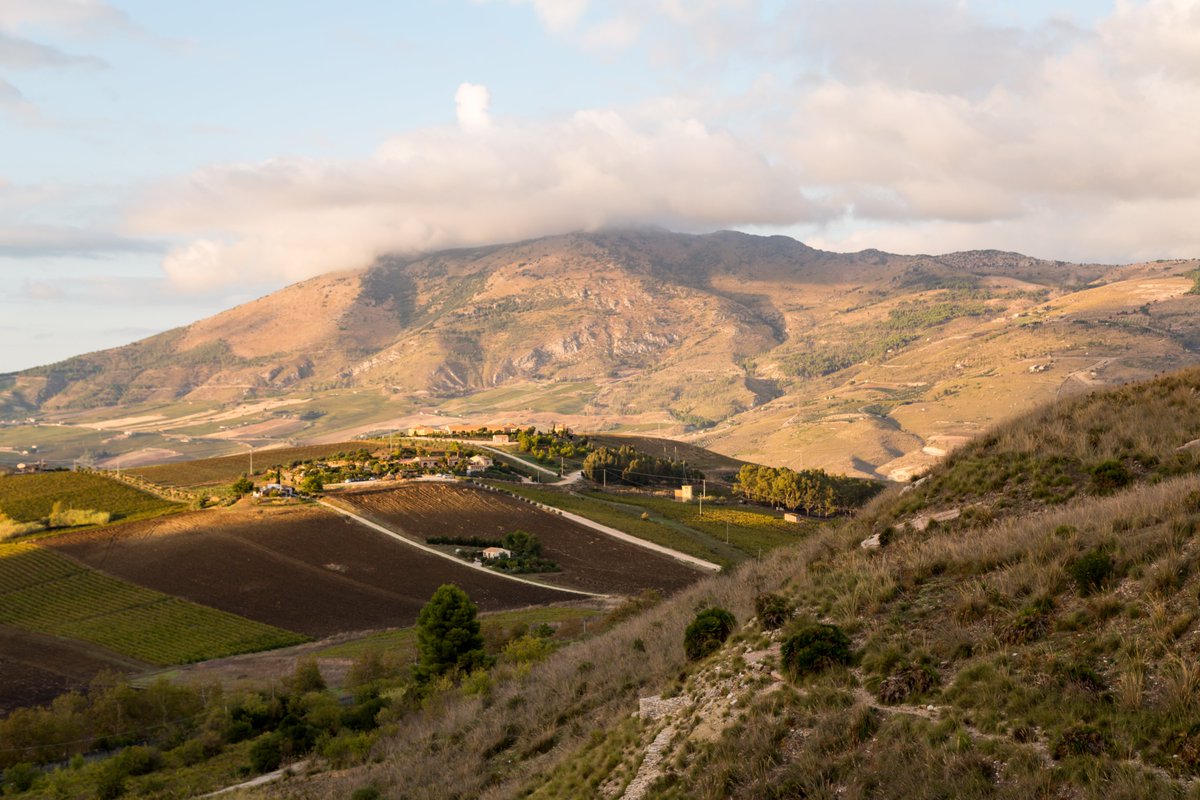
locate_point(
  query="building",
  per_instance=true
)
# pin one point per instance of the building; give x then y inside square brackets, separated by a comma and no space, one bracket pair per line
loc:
[685,493]
[501,438]
[790,517]
[496,552]
[274,490]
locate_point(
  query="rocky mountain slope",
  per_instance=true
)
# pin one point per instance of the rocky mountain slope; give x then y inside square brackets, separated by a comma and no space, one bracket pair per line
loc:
[762,347]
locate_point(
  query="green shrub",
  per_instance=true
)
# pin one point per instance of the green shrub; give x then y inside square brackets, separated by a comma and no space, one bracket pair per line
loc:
[1109,475]
[814,647]
[20,777]
[1081,740]
[139,760]
[266,754]
[707,632]
[772,610]
[1091,570]
[365,793]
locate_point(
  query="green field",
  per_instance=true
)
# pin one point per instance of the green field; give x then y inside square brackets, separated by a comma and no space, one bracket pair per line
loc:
[28,498]
[227,469]
[627,518]
[753,531]
[43,591]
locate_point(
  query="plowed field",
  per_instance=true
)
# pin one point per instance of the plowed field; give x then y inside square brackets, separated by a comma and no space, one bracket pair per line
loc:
[589,559]
[36,668]
[297,567]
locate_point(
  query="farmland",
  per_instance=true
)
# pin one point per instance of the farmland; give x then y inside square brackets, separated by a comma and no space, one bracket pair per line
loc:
[36,667]
[751,531]
[715,466]
[28,498]
[41,590]
[301,568]
[589,560]
[227,469]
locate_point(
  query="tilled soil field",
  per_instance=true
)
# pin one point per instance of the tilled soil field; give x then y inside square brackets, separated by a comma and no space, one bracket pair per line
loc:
[297,567]
[590,560]
[36,668]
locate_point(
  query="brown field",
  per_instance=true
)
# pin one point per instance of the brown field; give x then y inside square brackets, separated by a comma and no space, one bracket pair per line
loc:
[590,560]
[297,567]
[36,668]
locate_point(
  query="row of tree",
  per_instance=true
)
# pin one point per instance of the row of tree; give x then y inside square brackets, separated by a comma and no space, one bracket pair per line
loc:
[633,467]
[812,491]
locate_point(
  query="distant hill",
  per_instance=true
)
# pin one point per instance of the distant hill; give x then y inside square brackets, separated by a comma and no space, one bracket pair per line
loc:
[759,347]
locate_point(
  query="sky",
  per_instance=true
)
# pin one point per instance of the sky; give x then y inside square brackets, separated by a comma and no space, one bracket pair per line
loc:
[160,162]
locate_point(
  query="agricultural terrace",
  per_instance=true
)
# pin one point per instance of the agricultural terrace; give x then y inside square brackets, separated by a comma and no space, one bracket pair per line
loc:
[42,590]
[299,567]
[29,498]
[589,559]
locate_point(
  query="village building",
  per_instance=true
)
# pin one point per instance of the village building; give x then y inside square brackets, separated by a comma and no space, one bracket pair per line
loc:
[496,552]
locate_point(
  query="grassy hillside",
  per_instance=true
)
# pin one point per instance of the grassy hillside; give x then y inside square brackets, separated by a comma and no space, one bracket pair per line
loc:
[27,498]
[1040,644]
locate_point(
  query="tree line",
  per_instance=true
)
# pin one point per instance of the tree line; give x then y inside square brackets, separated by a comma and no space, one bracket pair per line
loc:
[633,467]
[812,491]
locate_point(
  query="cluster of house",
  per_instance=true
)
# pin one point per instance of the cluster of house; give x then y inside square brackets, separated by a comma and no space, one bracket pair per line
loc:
[475,465]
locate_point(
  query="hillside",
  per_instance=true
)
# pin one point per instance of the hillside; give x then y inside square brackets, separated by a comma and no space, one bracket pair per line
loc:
[1037,637]
[759,347]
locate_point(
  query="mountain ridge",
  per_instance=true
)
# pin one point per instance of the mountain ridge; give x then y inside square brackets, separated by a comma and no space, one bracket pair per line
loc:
[719,334]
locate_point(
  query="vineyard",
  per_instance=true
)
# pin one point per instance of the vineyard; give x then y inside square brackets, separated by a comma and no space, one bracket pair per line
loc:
[43,591]
[589,560]
[28,498]
[227,469]
[300,568]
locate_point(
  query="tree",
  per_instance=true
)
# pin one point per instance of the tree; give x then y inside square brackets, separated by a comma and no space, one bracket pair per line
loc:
[241,486]
[312,483]
[448,637]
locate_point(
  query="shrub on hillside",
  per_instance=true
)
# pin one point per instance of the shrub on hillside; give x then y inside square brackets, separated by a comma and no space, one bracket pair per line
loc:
[772,610]
[20,777]
[1081,740]
[1109,475]
[707,632]
[1091,570]
[907,681]
[814,647]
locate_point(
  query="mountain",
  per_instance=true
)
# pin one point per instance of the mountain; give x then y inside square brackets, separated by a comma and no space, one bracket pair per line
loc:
[762,347]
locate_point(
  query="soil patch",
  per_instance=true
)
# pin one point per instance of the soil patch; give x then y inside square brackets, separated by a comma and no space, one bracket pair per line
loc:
[297,567]
[36,668]
[590,560]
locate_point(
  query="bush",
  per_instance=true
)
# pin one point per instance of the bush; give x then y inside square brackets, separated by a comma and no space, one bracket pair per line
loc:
[365,793]
[242,486]
[813,648]
[707,632]
[20,777]
[1109,475]
[307,677]
[266,754]
[1091,570]
[1081,740]
[139,760]
[772,610]
[906,682]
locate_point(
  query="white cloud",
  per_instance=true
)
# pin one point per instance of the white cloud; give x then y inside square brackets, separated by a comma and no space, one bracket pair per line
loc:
[1063,143]
[471,103]
[292,218]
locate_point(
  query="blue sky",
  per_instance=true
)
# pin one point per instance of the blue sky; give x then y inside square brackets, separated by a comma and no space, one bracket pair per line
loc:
[162,161]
